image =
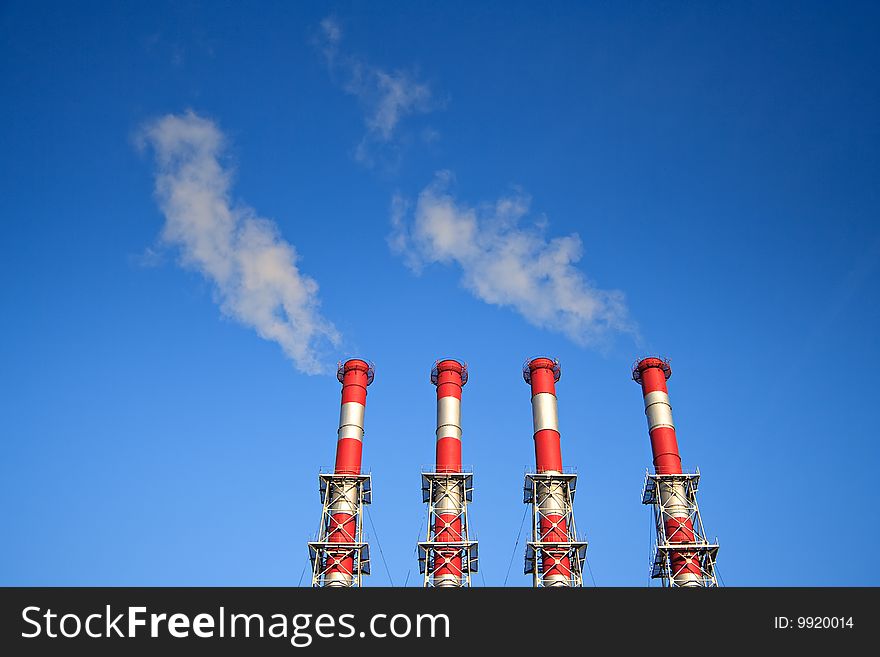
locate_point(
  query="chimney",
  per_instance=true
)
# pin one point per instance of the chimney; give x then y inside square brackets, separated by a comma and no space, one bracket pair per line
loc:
[554,556]
[340,555]
[448,557]
[683,556]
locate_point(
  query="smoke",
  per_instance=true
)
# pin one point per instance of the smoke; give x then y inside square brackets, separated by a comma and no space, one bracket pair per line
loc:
[387,97]
[505,263]
[253,269]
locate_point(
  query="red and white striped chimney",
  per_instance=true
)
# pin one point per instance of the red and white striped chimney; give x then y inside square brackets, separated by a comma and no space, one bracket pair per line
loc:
[449,376]
[652,374]
[543,374]
[354,375]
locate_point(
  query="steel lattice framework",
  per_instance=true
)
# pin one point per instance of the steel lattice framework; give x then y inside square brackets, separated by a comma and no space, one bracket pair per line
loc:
[448,548]
[340,557]
[551,495]
[679,531]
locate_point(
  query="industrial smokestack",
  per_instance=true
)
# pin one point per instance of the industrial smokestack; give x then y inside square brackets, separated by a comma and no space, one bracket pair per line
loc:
[355,375]
[449,376]
[543,374]
[448,557]
[652,374]
[554,556]
[340,556]
[684,557]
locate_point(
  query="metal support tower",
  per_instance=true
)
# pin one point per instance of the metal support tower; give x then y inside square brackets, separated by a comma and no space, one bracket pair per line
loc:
[448,556]
[679,530]
[554,555]
[340,555]
[683,557]
[551,495]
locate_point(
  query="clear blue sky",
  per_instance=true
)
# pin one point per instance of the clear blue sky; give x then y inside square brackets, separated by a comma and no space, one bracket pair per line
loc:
[719,165]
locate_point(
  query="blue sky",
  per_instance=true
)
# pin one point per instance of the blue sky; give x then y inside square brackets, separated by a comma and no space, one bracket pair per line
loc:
[204,204]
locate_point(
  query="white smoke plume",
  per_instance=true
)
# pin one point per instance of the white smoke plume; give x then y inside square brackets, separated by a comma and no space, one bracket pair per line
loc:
[253,269]
[387,97]
[506,263]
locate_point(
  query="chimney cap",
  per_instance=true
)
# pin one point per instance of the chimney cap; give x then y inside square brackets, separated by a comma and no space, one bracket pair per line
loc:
[542,362]
[446,364]
[647,363]
[355,364]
